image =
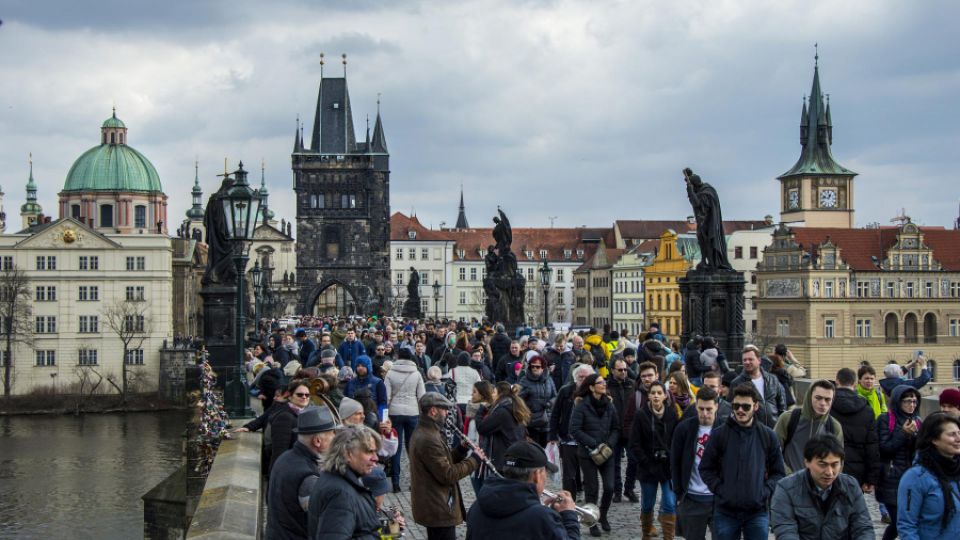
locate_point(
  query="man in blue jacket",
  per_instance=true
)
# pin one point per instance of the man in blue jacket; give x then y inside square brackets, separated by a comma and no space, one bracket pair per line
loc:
[893,376]
[350,349]
[365,378]
[509,507]
[741,466]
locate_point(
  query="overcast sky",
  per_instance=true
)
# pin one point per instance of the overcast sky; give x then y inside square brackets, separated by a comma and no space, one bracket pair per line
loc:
[580,111]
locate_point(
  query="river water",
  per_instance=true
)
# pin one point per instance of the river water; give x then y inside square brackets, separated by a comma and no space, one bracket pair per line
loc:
[78,477]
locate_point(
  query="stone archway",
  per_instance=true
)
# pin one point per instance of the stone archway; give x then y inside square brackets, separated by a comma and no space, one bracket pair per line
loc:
[332,297]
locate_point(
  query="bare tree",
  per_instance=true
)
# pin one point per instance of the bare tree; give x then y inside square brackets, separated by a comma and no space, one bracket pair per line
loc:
[16,318]
[128,320]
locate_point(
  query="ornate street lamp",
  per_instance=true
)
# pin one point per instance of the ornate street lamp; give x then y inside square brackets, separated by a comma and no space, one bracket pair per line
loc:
[436,298]
[545,273]
[241,209]
[257,275]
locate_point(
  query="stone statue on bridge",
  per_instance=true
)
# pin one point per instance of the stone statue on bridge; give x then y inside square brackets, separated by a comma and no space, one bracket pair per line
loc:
[504,286]
[710,234]
[412,307]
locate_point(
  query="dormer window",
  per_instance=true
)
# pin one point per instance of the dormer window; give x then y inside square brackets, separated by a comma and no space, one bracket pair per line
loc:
[461,253]
[543,254]
[412,234]
[528,254]
[567,254]
[580,254]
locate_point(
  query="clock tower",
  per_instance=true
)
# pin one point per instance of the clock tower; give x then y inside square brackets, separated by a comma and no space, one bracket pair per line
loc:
[817,190]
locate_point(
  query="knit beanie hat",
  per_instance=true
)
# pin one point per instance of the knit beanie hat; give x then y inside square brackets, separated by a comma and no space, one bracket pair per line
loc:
[950,396]
[349,407]
[709,358]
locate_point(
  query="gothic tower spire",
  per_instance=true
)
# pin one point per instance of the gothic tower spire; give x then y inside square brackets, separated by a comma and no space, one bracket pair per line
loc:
[30,211]
[462,216]
[195,213]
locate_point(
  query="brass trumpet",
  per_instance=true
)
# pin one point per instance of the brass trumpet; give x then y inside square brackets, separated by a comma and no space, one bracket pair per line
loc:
[588,514]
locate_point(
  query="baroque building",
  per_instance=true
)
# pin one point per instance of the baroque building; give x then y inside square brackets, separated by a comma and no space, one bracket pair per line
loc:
[342,191]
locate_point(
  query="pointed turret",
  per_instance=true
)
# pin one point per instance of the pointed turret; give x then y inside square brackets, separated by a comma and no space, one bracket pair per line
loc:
[264,195]
[816,135]
[30,211]
[195,213]
[297,142]
[333,131]
[379,141]
[462,216]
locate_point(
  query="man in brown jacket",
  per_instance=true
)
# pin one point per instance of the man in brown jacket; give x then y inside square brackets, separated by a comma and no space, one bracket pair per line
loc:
[435,471]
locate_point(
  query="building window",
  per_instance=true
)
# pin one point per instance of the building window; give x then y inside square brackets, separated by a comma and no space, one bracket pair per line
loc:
[567,254]
[136,263]
[932,366]
[46,358]
[45,324]
[87,357]
[828,289]
[46,293]
[463,298]
[89,262]
[412,252]
[863,289]
[929,289]
[424,254]
[134,357]
[8,262]
[956,370]
[89,324]
[955,289]
[399,278]
[89,293]
[140,216]
[580,254]
[828,328]
[561,275]
[753,252]
[473,273]
[954,327]
[543,254]
[133,323]
[135,293]
[48,262]
[106,215]
[399,254]
[891,289]
[738,252]
[909,289]
[864,328]
[783,327]
[463,274]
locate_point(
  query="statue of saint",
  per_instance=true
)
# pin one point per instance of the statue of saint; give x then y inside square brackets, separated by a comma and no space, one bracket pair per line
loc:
[502,233]
[491,261]
[220,266]
[710,236]
[413,286]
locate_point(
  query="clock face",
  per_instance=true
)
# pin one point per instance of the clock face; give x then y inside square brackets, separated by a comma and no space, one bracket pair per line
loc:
[793,199]
[828,198]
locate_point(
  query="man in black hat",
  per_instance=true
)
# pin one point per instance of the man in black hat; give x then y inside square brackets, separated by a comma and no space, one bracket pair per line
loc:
[294,474]
[509,507]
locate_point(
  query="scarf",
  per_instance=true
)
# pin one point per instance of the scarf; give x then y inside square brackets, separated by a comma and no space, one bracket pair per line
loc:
[875,398]
[599,405]
[946,470]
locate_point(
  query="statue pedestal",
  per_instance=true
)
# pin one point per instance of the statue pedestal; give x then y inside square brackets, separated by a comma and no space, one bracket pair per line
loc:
[713,306]
[412,308]
[219,322]
[505,299]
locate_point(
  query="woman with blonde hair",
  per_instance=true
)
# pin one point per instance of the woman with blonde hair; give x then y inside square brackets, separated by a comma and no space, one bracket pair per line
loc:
[680,390]
[504,424]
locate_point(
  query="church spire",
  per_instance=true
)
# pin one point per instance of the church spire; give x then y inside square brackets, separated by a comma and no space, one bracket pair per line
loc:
[297,141]
[195,212]
[264,194]
[462,215]
[30,211]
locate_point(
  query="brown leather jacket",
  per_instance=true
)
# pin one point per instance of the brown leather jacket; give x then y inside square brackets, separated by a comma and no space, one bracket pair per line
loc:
[435,474]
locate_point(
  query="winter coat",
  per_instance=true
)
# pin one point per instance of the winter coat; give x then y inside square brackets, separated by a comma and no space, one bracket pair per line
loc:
[500,344]
[285,517]
[504,367]
[876,399]
[404,388]
[282,437]
[888,384]
[682,450]
[349,351]
[920,506]
[786,381]
[342,508]
[741,466]
[774,402]
[896,447]
[500,429]
[795,511]
[808,426]
[561,413]
[538,392]
[435,473]
[378,390]
[591,426]
[631,407]
[465,377]
[860,444]
[594,344]
[307,346]
[559,363]
[650,441]
[691,359]
[622,394]
[512,509]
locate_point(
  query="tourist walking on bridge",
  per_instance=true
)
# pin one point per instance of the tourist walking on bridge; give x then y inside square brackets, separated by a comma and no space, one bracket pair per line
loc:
[596,428]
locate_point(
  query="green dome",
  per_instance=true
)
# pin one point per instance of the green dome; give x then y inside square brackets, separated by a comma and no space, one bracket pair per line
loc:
[113,122]
[112,167]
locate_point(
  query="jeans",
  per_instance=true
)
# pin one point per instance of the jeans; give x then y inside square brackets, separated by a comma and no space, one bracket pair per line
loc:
[570,469]
[404,426]
[754,526]
[891,531]
[591,488]
[693,517]
[648,498]
[630,477]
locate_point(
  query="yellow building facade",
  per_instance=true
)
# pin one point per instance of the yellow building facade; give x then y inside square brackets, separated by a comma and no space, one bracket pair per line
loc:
[662,290]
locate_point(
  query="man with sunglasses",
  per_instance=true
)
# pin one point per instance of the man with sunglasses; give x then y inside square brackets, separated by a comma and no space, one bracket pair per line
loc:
[621,389]
[741,466]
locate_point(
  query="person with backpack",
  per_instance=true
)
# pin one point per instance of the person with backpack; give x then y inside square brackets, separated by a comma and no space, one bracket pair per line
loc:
[801,424]
[860,442]
[897,429]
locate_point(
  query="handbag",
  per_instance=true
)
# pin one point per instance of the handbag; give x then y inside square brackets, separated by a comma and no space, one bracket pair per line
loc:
[601,454]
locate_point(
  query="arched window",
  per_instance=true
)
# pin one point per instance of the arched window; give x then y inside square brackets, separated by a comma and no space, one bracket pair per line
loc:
[891,328]
[956,370]
[140,216]
[929,328]
[932,366]
[113,138]
[910,328]
[121,138]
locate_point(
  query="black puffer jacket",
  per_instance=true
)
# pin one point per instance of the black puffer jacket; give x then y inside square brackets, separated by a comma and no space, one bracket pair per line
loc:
[512,509]
[538,392]
[860,444]
[650,441]
[594,422]
[341,507]
[562,411]
[622,394]
[499,344]
[500,429]
[897,449]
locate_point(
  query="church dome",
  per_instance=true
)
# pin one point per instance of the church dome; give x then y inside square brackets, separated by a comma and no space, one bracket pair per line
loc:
[112,166]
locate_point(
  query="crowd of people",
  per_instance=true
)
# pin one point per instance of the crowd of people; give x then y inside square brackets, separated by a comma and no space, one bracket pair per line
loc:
[735,453]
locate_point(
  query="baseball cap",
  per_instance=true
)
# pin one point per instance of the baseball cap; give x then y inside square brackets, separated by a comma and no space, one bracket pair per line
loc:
[527,455]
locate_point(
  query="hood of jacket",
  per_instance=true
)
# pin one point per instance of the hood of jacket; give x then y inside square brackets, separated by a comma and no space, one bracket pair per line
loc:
[807,411]
[593,340]
[897,395]
[404,366]
[365,360]
[847,402]
[503,498]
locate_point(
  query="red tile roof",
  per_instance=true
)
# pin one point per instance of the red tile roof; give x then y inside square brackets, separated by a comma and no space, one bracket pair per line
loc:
[857,246]
[401,225]
[652,229]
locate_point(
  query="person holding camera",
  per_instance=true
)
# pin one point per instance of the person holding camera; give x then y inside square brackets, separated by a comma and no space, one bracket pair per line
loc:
[650,441]
[897,430]
[596,428]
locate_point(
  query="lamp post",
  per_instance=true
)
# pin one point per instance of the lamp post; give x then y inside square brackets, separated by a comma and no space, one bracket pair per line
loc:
[545,273]
[257,275]
[241,209]
[436,298]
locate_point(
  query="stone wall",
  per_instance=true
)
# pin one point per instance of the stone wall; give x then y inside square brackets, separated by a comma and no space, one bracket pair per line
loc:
[231,505]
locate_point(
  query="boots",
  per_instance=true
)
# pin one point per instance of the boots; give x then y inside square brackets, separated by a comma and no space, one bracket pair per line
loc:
[646,526]
[595,531]
[668,526]
[604,524]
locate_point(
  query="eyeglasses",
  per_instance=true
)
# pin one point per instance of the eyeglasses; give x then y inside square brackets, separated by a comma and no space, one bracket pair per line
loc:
[300,394]
[910,400]
[600,381]
[742,406]
[620,369]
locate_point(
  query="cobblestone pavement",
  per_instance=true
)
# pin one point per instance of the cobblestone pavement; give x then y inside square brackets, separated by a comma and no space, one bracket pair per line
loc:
[624,517]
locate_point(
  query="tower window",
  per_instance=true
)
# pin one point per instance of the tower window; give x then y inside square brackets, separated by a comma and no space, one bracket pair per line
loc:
[106,215]
[113,138]
[140,216]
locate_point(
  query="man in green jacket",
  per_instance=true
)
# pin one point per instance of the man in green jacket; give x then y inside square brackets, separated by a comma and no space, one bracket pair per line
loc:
[798,426]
